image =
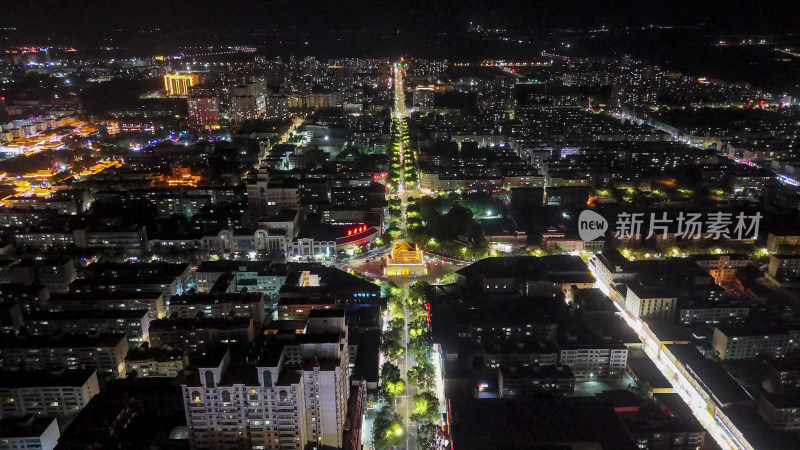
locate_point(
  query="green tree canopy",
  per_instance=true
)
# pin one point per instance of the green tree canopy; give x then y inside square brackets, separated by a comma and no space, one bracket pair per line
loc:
[387,430]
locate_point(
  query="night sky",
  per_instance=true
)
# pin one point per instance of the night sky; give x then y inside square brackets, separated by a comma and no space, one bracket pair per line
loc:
[409,15]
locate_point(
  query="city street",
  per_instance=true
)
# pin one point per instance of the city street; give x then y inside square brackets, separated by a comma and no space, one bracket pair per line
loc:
[688,393]
[372,267]
[405,402]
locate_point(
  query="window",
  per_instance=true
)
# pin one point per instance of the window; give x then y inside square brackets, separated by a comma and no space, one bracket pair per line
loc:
[195,396]
[226,397]
[209,375]
[267,378]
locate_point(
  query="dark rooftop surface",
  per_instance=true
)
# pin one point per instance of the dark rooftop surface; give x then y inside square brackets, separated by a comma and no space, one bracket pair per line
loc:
[451,318]
[211,357]
[757,431]
[719,383]
[364,316]
[667,331]
[63,341]
[332,281]
[27,426]
[324,313]
[221,265]
[286,325]
[366,365]
[754,329]
[216,298]
[44,378]
[200,323]
[673,405]
[263,268]
[158,407]
[155,354]
[731,256]
[650,419]
[646,370]
[110,296]
[18,288]
[526,267]
[133,272]
[284,215]
[92,314]
[479,424]
[593,300]
[783,400]
[619,398]
[537,372]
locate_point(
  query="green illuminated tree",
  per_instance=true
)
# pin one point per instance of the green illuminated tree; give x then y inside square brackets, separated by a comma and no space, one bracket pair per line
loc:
[426,408]
[390,344]
[390,389]
[387,430]
[422,375]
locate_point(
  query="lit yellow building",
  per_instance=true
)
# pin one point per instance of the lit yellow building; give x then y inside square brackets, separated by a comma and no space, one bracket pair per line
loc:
[405,260]
[181,176]
[179,83]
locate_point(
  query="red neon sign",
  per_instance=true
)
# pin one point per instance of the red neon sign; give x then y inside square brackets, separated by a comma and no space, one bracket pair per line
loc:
[356,230]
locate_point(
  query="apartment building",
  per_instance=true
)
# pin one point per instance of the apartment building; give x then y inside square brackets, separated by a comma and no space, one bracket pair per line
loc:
[102,351]
[61,392]
[291,395]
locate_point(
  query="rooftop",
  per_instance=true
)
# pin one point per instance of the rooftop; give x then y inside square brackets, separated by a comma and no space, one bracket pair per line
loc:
[646,370]
[537,372]
[200,323]
[154,354]
[332,281]
[44,378]
[529,267]
[754,329]
[216,298]
[515,424]
[109,296]
[26,426]
[63,341]
[367,362]
[715,380]
[92,314]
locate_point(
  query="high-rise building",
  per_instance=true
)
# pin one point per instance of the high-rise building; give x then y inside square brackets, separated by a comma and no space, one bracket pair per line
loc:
[648,301]
[277,107]
[179,83]
[747,341]
[244,108]
[423,96]
[291,394]
[102,351]
[62,392]
[203,110]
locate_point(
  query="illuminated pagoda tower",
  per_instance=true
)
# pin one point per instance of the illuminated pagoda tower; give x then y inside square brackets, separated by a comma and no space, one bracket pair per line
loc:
[404,260]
